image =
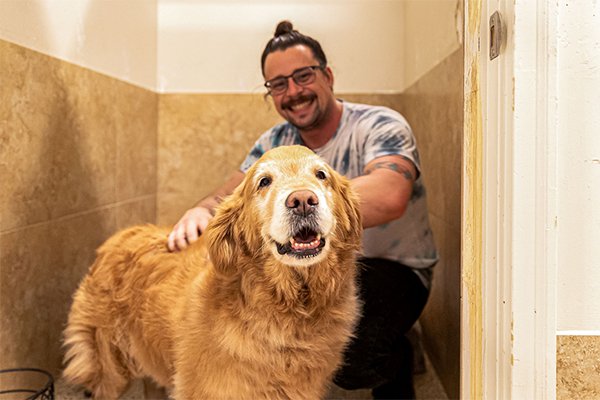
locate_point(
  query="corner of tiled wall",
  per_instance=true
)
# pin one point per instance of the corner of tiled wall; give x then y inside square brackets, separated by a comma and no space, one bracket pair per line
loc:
[78,162]
[84,155]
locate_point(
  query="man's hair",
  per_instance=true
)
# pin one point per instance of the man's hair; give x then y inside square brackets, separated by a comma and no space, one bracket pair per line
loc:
[285,37]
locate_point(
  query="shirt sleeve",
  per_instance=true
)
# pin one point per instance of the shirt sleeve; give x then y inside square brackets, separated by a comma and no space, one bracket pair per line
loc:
[388,133]
[280,135]
[255,153]
[260,147]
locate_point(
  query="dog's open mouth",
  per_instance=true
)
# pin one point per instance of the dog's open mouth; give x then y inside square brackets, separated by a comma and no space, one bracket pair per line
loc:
[304,244]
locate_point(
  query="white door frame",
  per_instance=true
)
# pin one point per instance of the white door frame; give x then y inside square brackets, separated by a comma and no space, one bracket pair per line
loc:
[509,204]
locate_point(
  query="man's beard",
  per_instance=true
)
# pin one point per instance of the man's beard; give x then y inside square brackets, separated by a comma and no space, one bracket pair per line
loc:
[318,118]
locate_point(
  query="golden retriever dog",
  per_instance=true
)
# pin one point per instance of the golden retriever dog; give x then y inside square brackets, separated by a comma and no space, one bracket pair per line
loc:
[260,307]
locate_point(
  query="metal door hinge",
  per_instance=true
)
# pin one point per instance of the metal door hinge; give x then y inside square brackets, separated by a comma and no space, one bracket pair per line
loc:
[497,35]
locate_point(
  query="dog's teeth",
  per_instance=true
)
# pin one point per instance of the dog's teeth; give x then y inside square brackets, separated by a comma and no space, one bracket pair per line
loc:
[301,245]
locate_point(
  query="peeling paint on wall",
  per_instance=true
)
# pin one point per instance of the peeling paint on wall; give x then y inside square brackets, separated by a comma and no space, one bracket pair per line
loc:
[472,204]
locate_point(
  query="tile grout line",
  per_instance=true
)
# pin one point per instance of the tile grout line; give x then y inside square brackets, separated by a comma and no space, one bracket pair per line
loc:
[157,156]
[444,220]
[80,213]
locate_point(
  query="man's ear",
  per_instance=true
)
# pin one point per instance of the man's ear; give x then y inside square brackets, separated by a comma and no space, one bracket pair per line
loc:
[221,235]
[329,75]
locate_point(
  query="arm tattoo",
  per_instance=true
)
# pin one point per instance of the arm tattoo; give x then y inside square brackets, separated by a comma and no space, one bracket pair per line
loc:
[391,166]
[211,207]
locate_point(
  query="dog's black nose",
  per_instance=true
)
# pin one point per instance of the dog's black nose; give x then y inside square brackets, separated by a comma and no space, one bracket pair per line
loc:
[302,202]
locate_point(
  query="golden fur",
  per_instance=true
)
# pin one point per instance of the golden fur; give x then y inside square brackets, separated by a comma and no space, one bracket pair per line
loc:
[231,317]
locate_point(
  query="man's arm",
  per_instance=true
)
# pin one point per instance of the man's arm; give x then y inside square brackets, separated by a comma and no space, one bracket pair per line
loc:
[385,189]
[195,220]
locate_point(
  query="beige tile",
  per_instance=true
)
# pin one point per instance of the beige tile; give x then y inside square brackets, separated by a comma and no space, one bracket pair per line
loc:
[441,317]
[434,107]
[203,139]
[41,267]
[72,139]
[393,100]
[125,115]
[78,161]
[136,115]
[137,212]
[58,139]
[26,263]
[578,367]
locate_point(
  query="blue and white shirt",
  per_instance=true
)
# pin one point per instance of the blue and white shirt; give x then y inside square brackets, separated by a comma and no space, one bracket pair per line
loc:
[364,134]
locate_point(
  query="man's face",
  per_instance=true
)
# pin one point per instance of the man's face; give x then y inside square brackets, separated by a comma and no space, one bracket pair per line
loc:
[306,107]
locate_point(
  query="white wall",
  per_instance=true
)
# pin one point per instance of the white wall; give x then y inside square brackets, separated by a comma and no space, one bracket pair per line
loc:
[215,46]
[114,37]
[578,192]
[372,45]
[203,46]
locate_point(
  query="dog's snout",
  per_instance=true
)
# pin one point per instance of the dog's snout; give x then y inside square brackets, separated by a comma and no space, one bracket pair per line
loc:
[302,202]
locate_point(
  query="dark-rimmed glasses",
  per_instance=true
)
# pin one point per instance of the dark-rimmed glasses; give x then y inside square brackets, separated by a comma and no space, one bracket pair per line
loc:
[302,77]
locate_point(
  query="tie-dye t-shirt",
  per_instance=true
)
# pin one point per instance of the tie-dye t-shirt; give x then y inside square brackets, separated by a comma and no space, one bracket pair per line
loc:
[364,134]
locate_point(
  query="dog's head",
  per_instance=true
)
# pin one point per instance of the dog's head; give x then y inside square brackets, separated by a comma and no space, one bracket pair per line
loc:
[291,206]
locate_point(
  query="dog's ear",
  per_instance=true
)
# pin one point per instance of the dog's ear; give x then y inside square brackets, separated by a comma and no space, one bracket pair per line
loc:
[221,235]
[349,212]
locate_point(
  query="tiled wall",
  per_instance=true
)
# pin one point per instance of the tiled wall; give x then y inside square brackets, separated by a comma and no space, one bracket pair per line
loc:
[203,139]
[78,162]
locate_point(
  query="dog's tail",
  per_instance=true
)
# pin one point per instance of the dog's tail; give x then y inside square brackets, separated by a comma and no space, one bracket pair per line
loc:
[91,359]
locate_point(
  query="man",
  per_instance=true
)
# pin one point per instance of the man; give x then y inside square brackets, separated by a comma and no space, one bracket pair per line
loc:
[375,148]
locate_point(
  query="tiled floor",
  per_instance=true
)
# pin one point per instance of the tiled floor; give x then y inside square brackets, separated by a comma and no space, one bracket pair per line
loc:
[427,387]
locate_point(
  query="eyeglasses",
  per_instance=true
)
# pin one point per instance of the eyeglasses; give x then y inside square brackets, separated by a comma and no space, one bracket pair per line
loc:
[302,77]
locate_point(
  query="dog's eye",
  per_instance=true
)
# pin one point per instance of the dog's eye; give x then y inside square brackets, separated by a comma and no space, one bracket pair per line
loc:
[264,182]
[320,175]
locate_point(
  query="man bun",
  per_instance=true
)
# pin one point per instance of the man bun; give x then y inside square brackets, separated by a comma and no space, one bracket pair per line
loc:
[283,28]
[285,37]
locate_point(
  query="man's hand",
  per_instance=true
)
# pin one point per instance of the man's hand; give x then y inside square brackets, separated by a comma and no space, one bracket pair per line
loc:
[195,220]
[189,227]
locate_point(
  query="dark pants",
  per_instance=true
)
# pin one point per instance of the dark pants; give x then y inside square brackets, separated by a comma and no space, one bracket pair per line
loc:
[380,356]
